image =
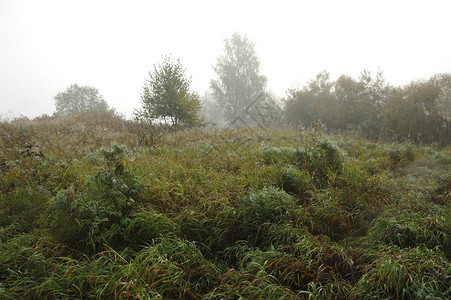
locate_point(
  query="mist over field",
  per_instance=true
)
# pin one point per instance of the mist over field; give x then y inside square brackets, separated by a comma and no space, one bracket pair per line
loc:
[225,150]
[48,45]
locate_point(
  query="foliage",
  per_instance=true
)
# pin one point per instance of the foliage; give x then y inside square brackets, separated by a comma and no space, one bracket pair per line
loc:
[211,111]
[319,160]
[79,99]
[405,274]
[166,96]
[238,80]
[268,205]
[313,102]
[98,212]
[207,214]
[416,112]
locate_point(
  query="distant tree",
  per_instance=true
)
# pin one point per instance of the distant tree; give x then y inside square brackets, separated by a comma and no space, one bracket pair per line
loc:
[79,99]
[444,82]
[344,104]
[419,111]
[314,101]
[211,111]
[166,97]
[238,79]
[415,112]
[360,102]
[268,111]
[375,92]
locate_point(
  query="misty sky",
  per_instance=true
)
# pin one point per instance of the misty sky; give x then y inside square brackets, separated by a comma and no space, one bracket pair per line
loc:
[46,46]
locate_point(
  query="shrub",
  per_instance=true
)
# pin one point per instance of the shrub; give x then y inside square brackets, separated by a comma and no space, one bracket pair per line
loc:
[99,211]
[176,268]
[328,217]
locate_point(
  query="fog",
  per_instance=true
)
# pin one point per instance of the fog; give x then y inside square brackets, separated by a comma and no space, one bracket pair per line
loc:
[46,46]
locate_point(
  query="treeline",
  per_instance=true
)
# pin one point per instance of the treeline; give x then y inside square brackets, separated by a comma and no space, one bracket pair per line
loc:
[419,111]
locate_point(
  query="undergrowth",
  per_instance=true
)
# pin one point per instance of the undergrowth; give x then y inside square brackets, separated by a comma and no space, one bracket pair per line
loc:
[102,208]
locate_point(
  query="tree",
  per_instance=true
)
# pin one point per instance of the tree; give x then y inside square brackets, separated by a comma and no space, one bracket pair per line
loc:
[238,77]
[444,82]
[360,102]
[344,104]
[211,111]
[415,112]
[315,101]
[79,99]
[166,96]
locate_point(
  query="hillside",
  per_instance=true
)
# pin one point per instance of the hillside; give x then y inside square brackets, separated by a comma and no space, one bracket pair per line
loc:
[102,208]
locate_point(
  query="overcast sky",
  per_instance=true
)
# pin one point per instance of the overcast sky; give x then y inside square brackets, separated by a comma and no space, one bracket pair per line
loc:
[46,46]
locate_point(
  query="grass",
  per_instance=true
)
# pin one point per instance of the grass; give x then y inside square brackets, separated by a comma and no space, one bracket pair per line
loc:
[95,207]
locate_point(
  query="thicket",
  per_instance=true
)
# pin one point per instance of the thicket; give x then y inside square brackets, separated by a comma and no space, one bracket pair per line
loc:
[417,112]
[96,207]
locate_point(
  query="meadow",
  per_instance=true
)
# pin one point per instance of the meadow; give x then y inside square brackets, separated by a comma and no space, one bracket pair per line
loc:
[96,207]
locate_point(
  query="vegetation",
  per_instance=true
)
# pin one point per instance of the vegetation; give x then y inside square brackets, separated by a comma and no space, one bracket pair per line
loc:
[90,211]
[418,112]
[79,99]
[166,97]
[238,84]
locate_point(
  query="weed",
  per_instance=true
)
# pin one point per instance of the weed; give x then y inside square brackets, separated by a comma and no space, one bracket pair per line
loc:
[207,214]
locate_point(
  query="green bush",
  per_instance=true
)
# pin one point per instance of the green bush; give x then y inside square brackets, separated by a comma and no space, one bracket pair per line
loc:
[401,156]
[99,212]
[176,268]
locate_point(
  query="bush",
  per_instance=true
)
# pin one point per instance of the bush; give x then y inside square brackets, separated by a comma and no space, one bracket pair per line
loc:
[99,212]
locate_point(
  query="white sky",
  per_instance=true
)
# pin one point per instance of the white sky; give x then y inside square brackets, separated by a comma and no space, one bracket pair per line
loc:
[47,45]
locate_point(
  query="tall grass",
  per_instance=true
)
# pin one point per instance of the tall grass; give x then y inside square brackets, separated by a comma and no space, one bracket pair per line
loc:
[97,207]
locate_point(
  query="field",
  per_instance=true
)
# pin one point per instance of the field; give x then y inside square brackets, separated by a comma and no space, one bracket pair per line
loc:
[102,208]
